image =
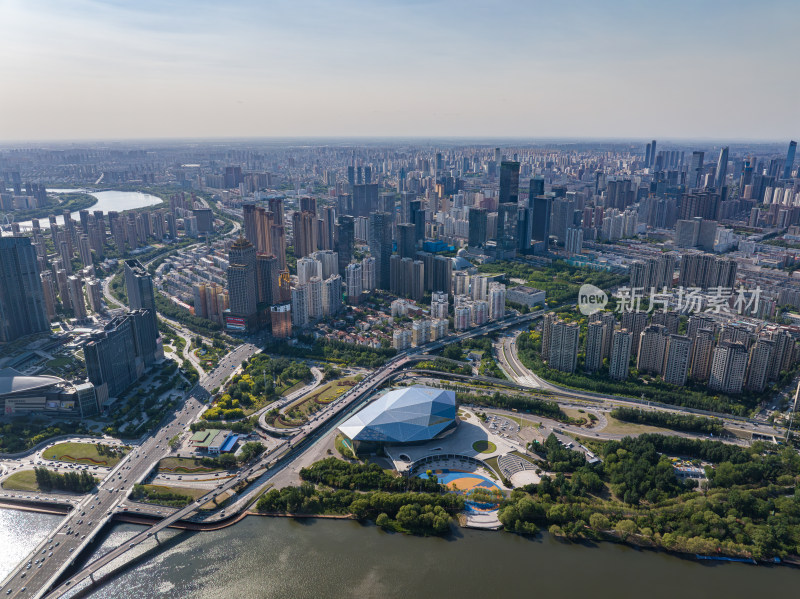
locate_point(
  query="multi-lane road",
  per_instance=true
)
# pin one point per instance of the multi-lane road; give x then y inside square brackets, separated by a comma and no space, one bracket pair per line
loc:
[52,556]
[506,353]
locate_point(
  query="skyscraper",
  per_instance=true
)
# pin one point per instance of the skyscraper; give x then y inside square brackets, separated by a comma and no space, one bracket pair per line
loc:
[563,214]
[242,280]
[695,170]
[344,240]
[509,182]
[507,230]
[535,189]
[722,168]
[478,218]
[111,357]
[267,275]
[380,246]
[542,207]
[787,166]
[139,287]
[507,209]
[406,242]
[22,304]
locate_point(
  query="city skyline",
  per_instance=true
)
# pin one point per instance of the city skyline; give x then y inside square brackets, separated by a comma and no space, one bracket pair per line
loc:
[420,70]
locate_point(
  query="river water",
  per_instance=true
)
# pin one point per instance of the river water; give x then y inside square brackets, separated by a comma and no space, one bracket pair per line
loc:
[107,201]
[278,557]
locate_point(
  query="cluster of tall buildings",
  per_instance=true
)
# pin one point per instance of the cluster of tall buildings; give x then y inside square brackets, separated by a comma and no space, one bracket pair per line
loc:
[728,357]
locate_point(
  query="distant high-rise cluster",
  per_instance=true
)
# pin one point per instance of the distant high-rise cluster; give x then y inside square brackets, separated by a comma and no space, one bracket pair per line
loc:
[729,358]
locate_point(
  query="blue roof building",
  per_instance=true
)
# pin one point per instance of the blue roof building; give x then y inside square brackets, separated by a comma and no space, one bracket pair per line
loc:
[411,415]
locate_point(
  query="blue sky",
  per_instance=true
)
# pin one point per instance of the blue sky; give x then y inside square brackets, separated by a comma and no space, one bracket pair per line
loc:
[110,69]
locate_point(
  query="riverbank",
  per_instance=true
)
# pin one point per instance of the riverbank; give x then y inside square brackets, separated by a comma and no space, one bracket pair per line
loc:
[320,558]
[74,202]
[103,201]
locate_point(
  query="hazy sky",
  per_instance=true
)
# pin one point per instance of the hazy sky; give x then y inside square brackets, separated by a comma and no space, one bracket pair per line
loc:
[89,69]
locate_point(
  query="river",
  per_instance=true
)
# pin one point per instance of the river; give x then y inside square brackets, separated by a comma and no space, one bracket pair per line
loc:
[107,201]
[278,557]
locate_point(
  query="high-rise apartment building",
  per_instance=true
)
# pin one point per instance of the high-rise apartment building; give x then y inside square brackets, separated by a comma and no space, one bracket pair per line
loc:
[676,359]
[354,282]
[497,301]
[652,348]
[620,355]
[758,365]
[634,323]
[563,354]
[305,233]
[75,285]
[594,346]
[702,353]
[728,367]
[300,301]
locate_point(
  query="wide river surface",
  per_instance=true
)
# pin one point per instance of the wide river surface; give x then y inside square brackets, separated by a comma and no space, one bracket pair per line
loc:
[282,558]
[107,201]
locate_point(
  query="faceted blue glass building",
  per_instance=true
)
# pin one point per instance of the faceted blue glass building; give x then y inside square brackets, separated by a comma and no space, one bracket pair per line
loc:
[411,415]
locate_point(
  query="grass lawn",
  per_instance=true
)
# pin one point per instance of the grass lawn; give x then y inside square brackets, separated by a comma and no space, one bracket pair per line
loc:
[190,491]
[184,466]
[310,402]
[618,427]
[59,362]
[189,494]
[293,388]
[21,481]
[484,446]
[81,453]
[495,467]
[343,447]
[523,422]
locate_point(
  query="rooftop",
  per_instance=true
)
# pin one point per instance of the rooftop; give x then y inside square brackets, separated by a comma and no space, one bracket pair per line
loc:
[13,381]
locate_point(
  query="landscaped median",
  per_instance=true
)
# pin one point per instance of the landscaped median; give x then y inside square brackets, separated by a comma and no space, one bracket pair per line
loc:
[166,495]
[185,466]
[298,412]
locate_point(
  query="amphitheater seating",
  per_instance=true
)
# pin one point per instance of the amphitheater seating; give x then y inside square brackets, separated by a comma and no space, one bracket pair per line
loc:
[511,464]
